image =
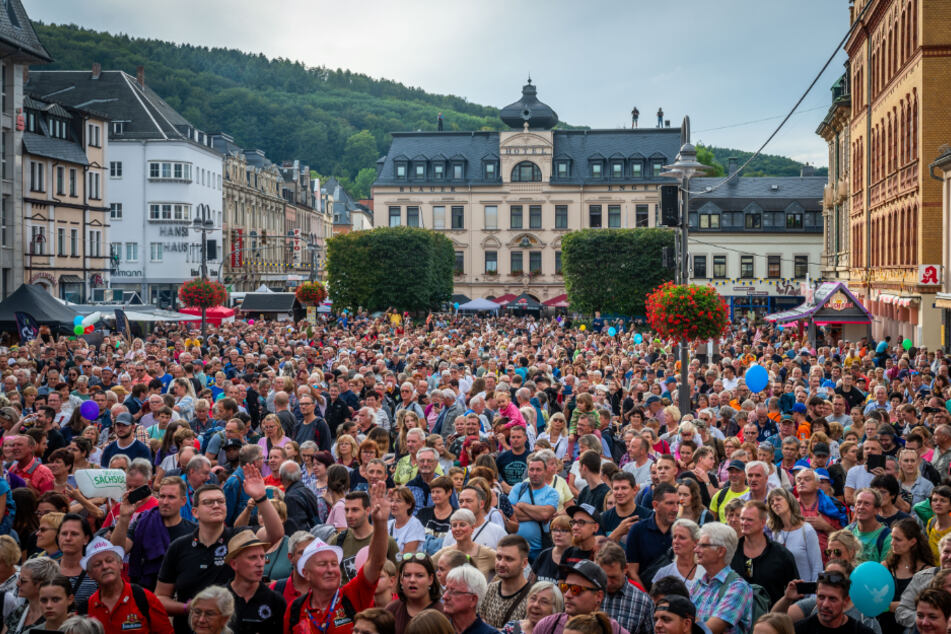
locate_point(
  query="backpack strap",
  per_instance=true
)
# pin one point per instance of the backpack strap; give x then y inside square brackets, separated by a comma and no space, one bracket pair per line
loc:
[730,578]
[880,540]
[141,602]
[280,586]
[296,608]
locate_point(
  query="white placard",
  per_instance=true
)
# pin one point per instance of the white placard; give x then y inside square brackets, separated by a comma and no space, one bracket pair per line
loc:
[101,483]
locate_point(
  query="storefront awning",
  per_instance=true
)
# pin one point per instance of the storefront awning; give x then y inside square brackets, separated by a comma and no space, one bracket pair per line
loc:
[70,279]
[897,300]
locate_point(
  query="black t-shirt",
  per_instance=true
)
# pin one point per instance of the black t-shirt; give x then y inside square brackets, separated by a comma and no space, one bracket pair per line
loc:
[611,519]
[853,397]
[812,625]
[263,613]
[435,528]
[773,569]
[594,497]
[545,568]
[512,466]
[573,555]
[190,567]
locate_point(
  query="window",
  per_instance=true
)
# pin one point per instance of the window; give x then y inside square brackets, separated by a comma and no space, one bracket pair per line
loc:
[4,140]
[535,261]
[561,216]
[169,211]
[596,169]
[642,216]
[115,211]
[37,240]
[457,171]
[516,262]
[61,241]
[6,223]
[719,266]
[754,221]
[94,139]
[401,170]
[657,166]
[412,217]
[774,267]
[617,169]
[439,170]
[700,266]
[594,216]
[395,216]
[491,262]
[561,169]
[458,217]
[156,251]
[794,220]
[60,180]
[489,170]
[115,251]
[515,216]
[118,127]
[439,217]
[168,170]
[95,244]
[74,242]
[420,171]
[557,261]
[94,190]
[72,181]
[132,251]
[614,216]
[491,217]
[526,172]
[800,266]
[37,172]
[115,169]
[709,221]
[535,217]
[746,266]
[460,262]
[637,169]
[57,128]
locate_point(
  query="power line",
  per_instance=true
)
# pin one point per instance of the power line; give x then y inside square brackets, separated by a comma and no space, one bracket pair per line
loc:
[738,125]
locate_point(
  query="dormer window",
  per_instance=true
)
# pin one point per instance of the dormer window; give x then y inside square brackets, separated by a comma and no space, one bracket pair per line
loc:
[118,127]
[637,169]
[617,169]
[439,170]
[562,168]
[596,169]
[419,171]
[401,170]
[526,172]
[458,171]
[489,170]
[57,128]
[657,166]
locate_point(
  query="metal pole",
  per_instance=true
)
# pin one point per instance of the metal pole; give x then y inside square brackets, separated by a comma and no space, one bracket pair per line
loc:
[204,265]
[684,279]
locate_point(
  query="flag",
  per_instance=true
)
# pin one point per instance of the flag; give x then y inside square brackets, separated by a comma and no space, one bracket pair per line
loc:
[122,325]
[27,327]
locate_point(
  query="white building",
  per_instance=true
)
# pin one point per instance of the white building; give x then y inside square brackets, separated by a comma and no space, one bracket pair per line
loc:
[162,175]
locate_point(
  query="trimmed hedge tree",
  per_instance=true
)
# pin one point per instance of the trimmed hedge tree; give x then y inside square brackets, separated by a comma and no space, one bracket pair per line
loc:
[390,267]
[613,270]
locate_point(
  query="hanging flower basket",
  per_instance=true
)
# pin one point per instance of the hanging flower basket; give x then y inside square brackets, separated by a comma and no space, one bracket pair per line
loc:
[310,293]
[687,312]
[199,293]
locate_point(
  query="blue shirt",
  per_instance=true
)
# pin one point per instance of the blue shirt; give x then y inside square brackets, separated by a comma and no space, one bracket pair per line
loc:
[646,542]
[137,449]
[532,531]
[480,627]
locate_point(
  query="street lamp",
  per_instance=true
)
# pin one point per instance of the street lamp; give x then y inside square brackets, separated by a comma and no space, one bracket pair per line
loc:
[684,167]
[204,223]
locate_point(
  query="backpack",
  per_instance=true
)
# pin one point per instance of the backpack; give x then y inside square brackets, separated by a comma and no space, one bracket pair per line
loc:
[141,602]
[761,602]
[298,605]
[208,435]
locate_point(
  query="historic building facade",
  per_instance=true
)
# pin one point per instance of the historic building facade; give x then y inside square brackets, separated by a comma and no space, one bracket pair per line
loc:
[899,60]
[65,214]
[835,197]
[506,199]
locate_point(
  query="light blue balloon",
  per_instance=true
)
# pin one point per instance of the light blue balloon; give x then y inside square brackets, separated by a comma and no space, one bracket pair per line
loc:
[872,588]
[780,328]
[756,378]
[456,305]
[638,337]
[612,331]
[78,319]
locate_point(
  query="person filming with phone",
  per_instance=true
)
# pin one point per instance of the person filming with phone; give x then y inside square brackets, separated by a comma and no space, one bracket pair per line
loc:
[860,476]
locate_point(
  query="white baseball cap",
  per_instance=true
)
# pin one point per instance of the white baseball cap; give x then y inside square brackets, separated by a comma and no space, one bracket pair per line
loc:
[99,545]
[317,546]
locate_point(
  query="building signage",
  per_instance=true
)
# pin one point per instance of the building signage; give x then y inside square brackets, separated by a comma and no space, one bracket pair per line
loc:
[840,301]
[49,277]
[171,231]
[929,275]
[121,273]
[298,249]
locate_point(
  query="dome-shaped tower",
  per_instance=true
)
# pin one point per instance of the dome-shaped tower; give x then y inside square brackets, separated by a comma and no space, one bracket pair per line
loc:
[529,109]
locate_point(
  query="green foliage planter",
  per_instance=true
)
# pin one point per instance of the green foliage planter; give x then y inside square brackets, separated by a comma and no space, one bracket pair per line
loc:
[613,270]
[404,268]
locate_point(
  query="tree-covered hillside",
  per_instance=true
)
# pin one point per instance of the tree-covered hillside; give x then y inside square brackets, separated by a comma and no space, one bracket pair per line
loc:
[762,165]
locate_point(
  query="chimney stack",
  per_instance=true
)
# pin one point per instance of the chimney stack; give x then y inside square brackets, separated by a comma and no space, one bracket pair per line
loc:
[732,165]
[140,76]
[96,70]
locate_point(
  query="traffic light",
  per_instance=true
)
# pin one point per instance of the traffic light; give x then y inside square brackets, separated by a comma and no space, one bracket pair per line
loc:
[669,212]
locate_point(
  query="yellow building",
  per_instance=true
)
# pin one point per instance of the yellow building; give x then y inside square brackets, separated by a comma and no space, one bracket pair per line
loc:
[64,193]
[900,60]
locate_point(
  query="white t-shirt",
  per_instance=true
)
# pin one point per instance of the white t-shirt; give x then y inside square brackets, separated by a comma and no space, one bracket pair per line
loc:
[488,535]
[412,531]
[858,477]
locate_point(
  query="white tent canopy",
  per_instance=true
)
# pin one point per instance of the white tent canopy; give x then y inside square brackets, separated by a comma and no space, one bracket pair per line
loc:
[479,304]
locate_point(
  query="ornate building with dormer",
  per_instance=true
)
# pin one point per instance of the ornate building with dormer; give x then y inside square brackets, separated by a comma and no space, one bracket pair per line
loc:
[507,198]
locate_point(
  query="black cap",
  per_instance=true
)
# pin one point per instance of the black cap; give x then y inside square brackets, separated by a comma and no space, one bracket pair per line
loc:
[589,570]
[821,449]
[587,509]
[680,606]
[233,443]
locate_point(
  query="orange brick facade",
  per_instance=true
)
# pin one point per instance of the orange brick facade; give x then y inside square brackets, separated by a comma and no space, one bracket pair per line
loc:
[900,62]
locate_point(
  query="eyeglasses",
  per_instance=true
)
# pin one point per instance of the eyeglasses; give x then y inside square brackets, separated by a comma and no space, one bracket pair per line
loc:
[834,552]
[580,522]
[214,502]
[575,588]
[449,593]
[416,556]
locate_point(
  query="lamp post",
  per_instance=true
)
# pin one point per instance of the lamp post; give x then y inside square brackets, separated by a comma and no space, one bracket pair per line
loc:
[684,167]
[203,223]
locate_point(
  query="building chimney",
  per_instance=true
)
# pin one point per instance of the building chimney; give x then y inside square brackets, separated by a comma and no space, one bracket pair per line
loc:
[140,76]
[667,123]
[732,165]
[807,170]
[96,70]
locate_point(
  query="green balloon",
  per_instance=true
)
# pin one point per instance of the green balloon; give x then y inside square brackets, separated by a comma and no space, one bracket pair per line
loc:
[78,329]
[906,344]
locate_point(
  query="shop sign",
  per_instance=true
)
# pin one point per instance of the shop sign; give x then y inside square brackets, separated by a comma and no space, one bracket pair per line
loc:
[929,275]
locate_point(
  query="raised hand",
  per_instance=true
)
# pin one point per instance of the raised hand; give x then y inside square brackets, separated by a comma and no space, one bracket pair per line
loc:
[254,482]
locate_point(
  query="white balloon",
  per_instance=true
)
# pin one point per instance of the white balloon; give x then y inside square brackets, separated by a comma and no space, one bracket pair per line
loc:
[91,318]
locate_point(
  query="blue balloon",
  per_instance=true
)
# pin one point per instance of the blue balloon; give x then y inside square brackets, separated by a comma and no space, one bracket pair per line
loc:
[89,410]
[756,378]
[456,305]
[638,337]
[612,331]
[780,328]
[78,319]
[872,588]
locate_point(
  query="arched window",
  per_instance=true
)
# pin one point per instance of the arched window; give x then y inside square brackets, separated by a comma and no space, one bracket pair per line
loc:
[526,172]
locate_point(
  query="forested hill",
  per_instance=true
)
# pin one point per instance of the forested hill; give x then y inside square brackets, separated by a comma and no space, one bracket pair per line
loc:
[762,165]
[337,121]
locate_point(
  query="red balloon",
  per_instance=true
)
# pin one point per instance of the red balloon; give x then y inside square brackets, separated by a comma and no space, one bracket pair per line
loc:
[89,329]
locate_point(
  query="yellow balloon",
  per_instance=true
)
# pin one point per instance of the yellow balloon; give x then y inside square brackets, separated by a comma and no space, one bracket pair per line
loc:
[583,328]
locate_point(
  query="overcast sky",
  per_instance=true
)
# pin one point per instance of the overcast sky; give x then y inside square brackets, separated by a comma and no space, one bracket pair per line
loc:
[728,64]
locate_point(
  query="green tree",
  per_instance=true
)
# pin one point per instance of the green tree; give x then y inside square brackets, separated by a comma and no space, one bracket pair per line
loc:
[618,283]
[390,267]
[359,152]
[705,156]
[363,182]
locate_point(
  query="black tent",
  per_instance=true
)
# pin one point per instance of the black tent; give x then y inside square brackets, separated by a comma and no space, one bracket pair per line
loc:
[39,304]
[524,303]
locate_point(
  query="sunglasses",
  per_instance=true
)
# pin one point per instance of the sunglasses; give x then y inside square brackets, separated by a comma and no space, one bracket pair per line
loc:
[834,552]
[417,556]
[575,588]
[831,578]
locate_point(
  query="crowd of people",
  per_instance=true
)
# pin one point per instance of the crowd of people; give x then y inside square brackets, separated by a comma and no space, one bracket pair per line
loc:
[463,475]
